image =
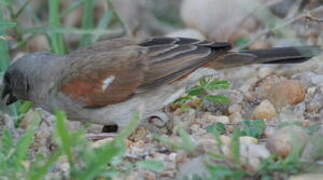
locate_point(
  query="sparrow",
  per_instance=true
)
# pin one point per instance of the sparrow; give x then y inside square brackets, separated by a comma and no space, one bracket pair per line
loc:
[106,82]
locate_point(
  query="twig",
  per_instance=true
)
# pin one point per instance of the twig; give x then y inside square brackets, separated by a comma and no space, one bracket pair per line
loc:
[99,136]
[310,17]
[288,22]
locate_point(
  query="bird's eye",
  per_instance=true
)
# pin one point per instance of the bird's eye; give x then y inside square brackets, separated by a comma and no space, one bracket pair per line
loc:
[6,78]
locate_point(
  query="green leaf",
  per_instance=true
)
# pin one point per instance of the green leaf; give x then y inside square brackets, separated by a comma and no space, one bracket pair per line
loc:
[254,128]
[196,91]
[222,171]
[218,127]
[218,98]
[216,84]
[25,106]
[152,165]
[183,100]
[204,81]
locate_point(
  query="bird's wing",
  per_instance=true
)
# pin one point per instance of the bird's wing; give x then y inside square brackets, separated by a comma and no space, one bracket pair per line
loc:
[110,72]
[173,58]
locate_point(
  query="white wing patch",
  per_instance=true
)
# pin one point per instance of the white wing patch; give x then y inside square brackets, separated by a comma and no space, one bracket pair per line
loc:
[107,82]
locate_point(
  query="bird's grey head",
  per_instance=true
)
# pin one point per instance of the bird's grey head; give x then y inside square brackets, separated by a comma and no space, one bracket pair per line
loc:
[20,76]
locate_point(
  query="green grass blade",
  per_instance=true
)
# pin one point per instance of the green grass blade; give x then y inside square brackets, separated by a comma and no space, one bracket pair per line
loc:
[87,22]
[56,39]
[64,136]
[235,145]
[22,8]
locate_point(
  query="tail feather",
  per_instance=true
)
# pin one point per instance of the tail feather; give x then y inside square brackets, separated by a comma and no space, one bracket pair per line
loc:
[284,55]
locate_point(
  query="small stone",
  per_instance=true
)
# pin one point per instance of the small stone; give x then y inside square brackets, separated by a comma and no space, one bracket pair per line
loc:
[234,108]
[251,156]
[310,176]
[262,88]
[265,110]
[139,133]
[311,90]
[287,92]
[314,147]
[286,139]
[235,117]
[264,71]
[148,175]
[218,119]
[181,156]
[101,142]
[248,140]
[197,129]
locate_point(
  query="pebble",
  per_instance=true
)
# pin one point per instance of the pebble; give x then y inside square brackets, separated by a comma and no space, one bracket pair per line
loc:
[251,156]
[287,92]
[148,175]
[314,147]
[264,71]
[248,140]
[234,108]
[309,176]
[284,140]
[235,117]
[222,119]
[265,110]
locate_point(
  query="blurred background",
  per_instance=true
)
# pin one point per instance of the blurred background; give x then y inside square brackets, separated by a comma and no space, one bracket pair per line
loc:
[245,23]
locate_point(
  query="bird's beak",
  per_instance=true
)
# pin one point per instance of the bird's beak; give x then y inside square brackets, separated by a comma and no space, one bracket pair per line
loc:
[7,96]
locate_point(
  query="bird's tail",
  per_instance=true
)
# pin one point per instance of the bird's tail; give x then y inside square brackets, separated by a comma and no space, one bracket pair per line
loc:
[283,55]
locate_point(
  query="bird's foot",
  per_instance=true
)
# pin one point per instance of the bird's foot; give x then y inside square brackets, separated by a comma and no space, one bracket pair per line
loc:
[157,121]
